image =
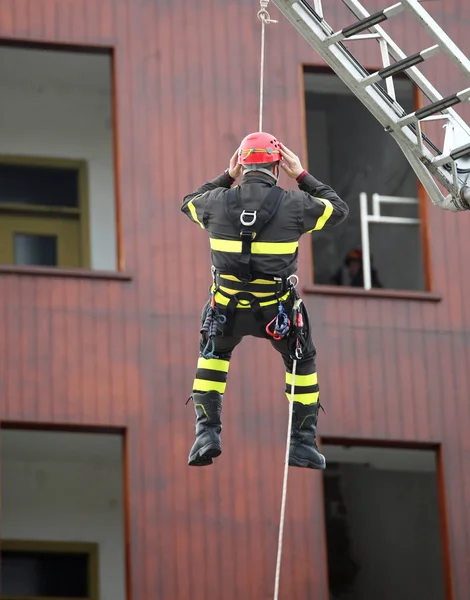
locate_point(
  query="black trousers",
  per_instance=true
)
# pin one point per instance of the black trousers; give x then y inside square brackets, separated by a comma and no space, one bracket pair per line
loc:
[212,373]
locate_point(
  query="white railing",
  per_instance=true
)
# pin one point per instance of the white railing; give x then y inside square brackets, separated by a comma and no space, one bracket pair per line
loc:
[377,217]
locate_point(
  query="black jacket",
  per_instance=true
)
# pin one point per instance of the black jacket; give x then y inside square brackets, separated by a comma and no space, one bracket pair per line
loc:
[313,207]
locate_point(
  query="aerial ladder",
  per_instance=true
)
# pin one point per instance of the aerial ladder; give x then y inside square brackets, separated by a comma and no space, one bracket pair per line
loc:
[449,167]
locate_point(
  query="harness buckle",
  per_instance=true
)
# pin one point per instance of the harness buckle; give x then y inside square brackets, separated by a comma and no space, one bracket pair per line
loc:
[248,213]
[249,235]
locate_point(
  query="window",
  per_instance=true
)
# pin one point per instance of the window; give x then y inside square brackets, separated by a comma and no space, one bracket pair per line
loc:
[40,570]
[348,149]
[383,524]
[57,189]
[63,492]
[43,213]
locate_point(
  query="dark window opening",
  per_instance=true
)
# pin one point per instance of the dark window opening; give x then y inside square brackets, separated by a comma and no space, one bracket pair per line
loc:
[39,185]
[39,250]
[382,524]
[44,575]
[349,150]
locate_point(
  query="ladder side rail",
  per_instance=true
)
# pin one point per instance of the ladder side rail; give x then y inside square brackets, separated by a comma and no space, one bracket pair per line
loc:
[318,7]
[315,32]
[446,43]
[387,96]
[340,61]
[413,72]
[424,175]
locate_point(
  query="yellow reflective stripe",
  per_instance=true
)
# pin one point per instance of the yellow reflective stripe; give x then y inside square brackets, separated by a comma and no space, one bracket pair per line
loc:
[305,398]
[325,216]
[204,385]
[302,380]
[223,301]
[192,210]
[256,247]
[257,294]
[226,245]
[274,247]
[234,278]
[215,364]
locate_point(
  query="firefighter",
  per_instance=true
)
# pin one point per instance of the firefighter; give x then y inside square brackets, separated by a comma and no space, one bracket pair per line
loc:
[254,230]
[354,275]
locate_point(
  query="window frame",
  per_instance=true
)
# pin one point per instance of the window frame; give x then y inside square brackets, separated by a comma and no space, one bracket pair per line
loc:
[82,212]
[428,293]
[442,501]
[88,548]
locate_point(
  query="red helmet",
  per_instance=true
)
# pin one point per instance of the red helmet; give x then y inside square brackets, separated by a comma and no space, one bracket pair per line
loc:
[355,254]
[259,148]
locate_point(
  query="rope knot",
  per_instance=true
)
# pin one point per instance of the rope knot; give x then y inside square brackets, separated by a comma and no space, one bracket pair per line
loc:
[263,14]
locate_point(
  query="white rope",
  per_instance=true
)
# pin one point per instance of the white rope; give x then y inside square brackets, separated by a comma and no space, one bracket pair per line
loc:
[284,485]
[265,19]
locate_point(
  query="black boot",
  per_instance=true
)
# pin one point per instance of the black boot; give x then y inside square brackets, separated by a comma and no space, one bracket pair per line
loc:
[207,446]
[303,446]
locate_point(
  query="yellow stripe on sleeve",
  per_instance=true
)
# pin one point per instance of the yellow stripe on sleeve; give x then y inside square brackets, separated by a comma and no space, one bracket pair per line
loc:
[192,210]
[325,216]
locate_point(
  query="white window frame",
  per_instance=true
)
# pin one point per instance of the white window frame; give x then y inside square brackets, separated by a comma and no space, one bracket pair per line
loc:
[377,217]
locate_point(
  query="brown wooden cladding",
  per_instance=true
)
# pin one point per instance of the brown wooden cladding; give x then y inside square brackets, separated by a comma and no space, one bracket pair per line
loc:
[96,352]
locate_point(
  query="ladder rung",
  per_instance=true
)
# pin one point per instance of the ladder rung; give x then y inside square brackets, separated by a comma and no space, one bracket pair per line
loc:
[402,65]
[435,107]
[459,152]
[446,102]
[365,36]
[366,23]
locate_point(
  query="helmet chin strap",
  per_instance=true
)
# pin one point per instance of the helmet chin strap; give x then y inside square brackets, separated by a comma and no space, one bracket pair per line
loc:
[260,169]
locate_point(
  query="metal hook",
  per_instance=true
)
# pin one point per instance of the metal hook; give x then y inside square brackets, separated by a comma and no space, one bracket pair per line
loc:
[296,278]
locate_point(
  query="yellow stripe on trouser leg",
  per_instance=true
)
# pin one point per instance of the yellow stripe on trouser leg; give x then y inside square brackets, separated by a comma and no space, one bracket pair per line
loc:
[214,364]
[306,389]
[211,375]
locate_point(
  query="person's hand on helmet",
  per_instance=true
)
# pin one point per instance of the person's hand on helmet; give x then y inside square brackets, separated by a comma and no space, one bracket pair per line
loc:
[234,169]
[290,163]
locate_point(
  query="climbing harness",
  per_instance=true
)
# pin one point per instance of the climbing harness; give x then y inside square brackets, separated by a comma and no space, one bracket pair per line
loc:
[265,19]
[250,223]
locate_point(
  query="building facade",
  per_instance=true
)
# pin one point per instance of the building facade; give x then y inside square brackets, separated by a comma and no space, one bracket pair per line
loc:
[129,105]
